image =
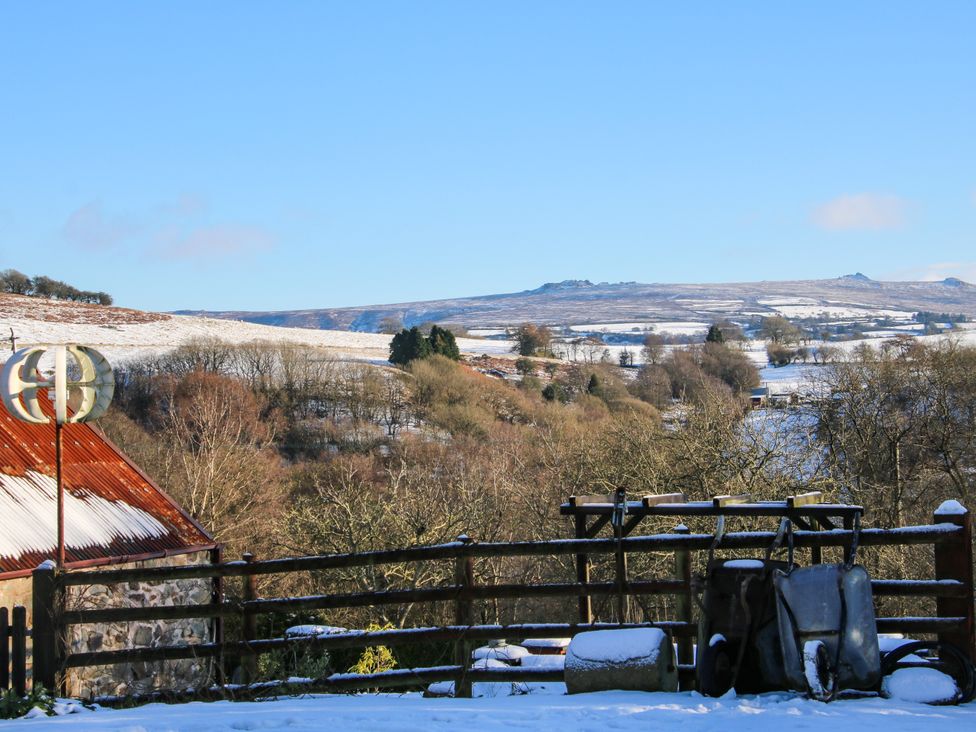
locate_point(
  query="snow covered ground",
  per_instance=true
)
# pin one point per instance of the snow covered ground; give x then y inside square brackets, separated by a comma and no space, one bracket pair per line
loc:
[615,710]
[670,327]
[123,335]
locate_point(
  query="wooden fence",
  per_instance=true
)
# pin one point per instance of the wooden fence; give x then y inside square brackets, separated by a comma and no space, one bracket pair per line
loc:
[13,649]
[950,534]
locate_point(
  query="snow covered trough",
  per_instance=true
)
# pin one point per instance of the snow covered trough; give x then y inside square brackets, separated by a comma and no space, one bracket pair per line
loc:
[638,659]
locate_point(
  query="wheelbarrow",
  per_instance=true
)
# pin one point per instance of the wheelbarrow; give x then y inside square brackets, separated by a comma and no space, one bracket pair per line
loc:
[770,625]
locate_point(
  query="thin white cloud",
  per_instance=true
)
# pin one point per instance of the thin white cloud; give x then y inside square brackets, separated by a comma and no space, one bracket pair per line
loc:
[177,230]
[937,272]
[89,227]
[186,205]
[212,242]
[862,212]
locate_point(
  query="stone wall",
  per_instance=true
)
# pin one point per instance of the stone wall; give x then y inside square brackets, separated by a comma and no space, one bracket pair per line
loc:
[139,677]
[135,678]
[16,592]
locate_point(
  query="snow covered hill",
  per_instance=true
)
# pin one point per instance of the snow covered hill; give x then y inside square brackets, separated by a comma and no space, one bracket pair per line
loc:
[123,334]
[606,304]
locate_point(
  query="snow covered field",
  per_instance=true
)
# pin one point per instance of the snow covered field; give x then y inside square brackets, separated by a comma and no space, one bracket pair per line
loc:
[126,335]
[670,328]
[122,338]
[615,710]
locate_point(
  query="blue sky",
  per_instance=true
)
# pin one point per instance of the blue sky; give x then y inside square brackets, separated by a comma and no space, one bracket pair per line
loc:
[284,155]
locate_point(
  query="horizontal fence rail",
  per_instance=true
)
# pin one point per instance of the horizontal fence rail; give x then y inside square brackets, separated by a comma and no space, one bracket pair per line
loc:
[456,549]
[398,678]
[368,599]
[364,639]
[392,638]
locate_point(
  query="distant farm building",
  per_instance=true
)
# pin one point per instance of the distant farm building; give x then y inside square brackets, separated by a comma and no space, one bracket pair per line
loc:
[775,395]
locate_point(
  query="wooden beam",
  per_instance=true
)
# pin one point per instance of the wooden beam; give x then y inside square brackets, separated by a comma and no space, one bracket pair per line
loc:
[919,588]
[463,615]
[722,501]
[45,631]
[398,678]
[5,650]
[954,561]
[803,523]
[595,527]
[584,606]
[18,651]
[591,498]
[359,639]
[632,524]
[826,523]
[657,500]
[652,542]
[803,499]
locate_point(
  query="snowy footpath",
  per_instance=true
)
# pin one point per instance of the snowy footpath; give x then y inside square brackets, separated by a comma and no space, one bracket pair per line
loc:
[600,712]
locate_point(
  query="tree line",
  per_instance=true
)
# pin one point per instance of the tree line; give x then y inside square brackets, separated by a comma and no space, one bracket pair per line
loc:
[17,283]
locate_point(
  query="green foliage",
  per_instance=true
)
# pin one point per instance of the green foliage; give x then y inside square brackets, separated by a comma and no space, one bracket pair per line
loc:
[524,366]
[410,345]
[442,341]
[926,316]
[555,392]
[375,659]
[297,661]
[532,340]
[714,335]
[14,706]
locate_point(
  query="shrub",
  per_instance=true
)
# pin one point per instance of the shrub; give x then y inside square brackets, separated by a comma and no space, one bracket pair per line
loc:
[14,706]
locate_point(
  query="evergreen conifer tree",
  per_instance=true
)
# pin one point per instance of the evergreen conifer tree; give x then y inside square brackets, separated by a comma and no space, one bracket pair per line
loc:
[442,341]
[408,345]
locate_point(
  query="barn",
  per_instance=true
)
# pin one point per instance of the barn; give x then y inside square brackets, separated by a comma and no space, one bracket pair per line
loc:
[114,515]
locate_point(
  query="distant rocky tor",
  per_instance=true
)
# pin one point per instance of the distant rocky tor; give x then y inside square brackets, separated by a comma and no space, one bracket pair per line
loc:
[582,301]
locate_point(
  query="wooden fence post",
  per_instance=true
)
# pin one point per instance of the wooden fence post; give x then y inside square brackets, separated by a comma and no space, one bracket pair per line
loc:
[18,650]
[216,598]
[954,561]
[249,626]
[463,615]
[4,649]
[683,603]
[45,635]
[583,572]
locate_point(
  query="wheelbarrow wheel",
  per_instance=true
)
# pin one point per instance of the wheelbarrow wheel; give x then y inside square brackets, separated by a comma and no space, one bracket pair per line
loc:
[715,668]
[820,677]
[944,657]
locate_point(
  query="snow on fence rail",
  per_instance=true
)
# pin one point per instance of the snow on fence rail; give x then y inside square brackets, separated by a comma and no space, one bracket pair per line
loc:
[951,535]
[458,549]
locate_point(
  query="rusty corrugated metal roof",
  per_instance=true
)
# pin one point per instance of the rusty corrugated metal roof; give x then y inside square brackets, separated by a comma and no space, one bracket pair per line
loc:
[113,511]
